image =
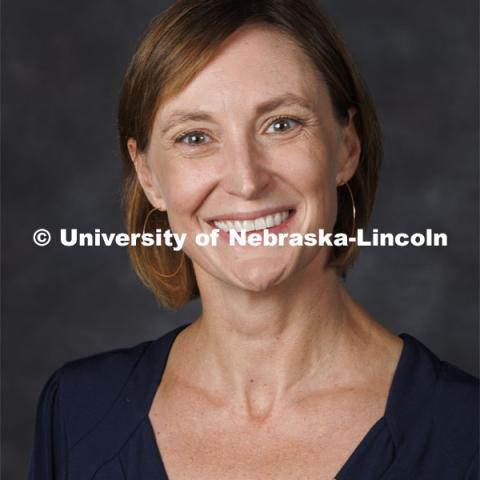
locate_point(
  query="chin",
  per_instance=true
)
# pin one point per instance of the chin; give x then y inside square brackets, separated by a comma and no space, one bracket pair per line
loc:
[258,278]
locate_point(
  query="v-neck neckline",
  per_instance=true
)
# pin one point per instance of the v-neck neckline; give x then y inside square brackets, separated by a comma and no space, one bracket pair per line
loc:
[166,347]
[394,385]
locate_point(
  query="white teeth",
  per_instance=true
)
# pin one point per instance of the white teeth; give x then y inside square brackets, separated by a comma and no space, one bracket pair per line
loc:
[260,224]
[249,225]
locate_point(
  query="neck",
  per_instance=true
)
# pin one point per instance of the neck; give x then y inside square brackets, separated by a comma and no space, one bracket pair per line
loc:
[261,348]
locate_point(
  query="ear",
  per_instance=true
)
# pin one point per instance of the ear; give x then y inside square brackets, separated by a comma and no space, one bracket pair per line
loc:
[145,176]
[350,150]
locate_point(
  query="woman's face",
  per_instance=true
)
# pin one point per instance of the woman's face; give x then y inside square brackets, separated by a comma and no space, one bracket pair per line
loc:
[252,139]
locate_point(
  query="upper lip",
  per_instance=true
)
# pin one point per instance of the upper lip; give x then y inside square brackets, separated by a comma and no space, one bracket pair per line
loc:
[249,215]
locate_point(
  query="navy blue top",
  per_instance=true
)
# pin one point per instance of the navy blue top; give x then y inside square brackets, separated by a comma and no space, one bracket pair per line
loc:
[92,420]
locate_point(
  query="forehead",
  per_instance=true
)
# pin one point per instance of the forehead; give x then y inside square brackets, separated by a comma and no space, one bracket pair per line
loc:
[253,64]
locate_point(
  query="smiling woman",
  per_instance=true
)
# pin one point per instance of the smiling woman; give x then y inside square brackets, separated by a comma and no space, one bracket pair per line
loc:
[307,88]
[251,116]
[267,140]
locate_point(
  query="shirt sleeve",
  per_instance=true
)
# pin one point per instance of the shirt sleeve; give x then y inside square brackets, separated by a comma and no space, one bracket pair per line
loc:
[48,459]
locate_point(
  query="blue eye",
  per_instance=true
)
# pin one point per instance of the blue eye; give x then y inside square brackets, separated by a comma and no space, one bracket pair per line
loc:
[194,138]
[281,125]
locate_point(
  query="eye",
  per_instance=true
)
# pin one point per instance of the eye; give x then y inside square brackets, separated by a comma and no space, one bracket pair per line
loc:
[193,139]
[281,125]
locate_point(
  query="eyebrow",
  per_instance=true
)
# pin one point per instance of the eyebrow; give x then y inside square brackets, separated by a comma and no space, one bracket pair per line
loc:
[287,99]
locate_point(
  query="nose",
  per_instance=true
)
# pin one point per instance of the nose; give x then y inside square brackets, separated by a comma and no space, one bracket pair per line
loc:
[245,171]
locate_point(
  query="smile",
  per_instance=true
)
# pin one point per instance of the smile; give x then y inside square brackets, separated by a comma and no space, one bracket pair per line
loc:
[259,223]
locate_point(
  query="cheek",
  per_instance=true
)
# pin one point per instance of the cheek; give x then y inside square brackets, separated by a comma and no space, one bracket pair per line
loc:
[185,185]
[310,166]
[311,169]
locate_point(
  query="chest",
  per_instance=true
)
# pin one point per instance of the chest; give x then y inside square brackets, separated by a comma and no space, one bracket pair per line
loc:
[210,444]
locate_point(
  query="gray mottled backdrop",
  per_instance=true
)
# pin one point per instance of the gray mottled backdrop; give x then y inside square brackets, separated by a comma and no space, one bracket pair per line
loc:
[62,67]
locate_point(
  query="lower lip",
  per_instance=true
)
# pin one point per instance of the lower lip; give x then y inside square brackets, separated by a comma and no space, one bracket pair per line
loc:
[276,229]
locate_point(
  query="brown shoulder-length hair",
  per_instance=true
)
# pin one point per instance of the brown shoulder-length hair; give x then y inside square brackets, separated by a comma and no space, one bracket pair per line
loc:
[175,48]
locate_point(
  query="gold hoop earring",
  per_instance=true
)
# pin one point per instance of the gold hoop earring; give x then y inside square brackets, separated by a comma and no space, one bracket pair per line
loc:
[354,210]
[182,258]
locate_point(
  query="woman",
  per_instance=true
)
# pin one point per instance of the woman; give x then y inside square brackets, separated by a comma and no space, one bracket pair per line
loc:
[250,116]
